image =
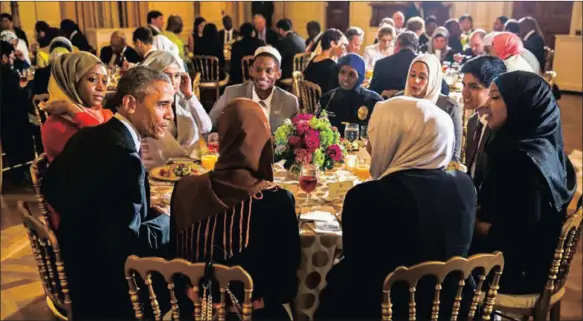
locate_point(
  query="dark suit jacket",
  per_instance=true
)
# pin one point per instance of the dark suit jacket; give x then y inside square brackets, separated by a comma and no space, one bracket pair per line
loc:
[479,159]
[99,187]
[240,49]
[40,84]
[80,41]
[390,73]
[21,34]
[222,35]
[536,44]
[289,46]
[271,37]
[129,54]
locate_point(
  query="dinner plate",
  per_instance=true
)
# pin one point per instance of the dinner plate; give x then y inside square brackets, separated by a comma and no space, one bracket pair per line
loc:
[174,171]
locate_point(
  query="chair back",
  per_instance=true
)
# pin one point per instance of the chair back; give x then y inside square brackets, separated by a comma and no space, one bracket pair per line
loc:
[208,67]
[196,85]
[40,115]
[195,272]
[301,60]
[483,263]
[246,63]
[310,94]
[550,76]
[297,77]
[549,56]
[47,253]
[564,253]
[37,172]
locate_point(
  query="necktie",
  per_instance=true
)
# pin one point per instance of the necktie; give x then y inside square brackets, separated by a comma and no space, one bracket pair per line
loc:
[475,145]
[228,36]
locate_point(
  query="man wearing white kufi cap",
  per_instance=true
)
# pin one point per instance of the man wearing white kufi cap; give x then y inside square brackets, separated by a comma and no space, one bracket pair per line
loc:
[277,104]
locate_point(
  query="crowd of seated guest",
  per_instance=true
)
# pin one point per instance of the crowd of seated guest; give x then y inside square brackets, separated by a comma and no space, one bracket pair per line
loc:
[513,198]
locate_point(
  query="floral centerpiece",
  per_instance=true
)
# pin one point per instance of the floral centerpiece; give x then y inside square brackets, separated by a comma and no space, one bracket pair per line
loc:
[307,139]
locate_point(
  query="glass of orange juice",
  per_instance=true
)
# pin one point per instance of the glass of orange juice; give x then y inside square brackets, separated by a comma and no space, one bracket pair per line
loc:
[369,74]
[209,161]
[362,170]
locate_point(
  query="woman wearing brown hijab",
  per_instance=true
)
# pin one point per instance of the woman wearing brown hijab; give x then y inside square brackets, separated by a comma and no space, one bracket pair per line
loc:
[236,215]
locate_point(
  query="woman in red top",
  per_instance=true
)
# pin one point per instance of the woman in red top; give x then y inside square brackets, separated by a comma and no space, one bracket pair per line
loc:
[77,87]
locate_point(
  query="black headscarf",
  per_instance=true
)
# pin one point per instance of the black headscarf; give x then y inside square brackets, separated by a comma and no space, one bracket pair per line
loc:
[533,126]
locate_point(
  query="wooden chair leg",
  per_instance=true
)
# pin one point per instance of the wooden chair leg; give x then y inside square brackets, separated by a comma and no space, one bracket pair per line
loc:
[556,312]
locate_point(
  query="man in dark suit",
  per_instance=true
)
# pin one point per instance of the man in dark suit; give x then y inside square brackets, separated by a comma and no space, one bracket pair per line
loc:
[118,51]
[228,34]
[262,32]
[478,75]
[244,47]
[289,45]
[390,73]
[100,190]
[264,8]
[415,10]
[533,41]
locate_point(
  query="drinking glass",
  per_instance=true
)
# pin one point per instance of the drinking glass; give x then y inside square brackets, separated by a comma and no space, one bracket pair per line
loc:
[351,132]
[209,161]
[309,180]
[213,143]
[362,170]
[364,134]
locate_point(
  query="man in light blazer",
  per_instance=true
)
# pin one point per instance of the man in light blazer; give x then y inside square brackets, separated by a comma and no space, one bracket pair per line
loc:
[278,105]
[479,72]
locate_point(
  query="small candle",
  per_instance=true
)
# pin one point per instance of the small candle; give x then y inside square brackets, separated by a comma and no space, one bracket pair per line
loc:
[350,161]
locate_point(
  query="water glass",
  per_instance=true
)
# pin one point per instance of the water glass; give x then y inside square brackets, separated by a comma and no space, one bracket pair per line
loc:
[351,132]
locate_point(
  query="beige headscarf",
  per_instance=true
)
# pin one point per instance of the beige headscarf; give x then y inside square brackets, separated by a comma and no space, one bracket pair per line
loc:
[407,133]
[66,71]
[160,60]
[435,77]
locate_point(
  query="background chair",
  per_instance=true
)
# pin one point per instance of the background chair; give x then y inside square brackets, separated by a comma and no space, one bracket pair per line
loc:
[40,115]
[208,67]
[46,251]
[483,263]
[194,272]
[246,63]
[37,171]
[310,96]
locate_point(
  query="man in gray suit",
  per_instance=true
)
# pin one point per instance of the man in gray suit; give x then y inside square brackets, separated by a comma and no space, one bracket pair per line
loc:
[478,75]
[278,105]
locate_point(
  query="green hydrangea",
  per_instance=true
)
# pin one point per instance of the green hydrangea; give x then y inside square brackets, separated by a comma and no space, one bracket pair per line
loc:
[318,157]
[282,134]
[326,137]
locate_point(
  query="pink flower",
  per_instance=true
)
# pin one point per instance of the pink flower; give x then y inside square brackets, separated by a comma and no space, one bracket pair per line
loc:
[302,127]
[334,152]
[302,117]
[312,140]
[301,155]
[294,140]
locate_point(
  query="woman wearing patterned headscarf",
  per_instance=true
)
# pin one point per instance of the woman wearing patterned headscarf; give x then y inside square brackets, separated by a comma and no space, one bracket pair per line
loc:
[190,119]
[20,47]
[76,87]
[438,45]
[508,47]
[416,211]
[350,102]
[425,81]
[236,215]
[528,183]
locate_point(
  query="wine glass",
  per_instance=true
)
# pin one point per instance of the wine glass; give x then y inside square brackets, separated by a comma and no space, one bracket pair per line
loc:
[351,132]
[364,134]
[213,143]
[309,180]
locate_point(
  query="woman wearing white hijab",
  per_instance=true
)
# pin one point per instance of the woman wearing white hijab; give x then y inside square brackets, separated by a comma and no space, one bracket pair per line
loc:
[425,81]
[191,120]
[415,211]
[20,47]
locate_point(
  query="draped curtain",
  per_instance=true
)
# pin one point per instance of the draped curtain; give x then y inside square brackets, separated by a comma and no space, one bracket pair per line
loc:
[106,14]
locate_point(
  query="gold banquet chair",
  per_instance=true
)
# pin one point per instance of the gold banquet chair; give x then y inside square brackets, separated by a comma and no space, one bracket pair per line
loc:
[193,271]
[549,56]
[484,263]
[549,301]
[196,85]
[310,94]
[246,64]
[300,62]
[208,67]
[37,171]
[47,253]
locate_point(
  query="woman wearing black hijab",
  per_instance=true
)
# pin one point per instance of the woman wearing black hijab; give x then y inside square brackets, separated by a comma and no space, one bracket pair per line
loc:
[528,181]
[211,45]
[350,102]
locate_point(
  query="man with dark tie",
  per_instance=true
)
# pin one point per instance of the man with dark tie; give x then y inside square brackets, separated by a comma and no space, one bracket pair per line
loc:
[118,51]
[100,189]
[478,74]
[228,34]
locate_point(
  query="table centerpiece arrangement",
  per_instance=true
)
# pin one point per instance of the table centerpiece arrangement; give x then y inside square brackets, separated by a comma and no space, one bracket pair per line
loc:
[307,140]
